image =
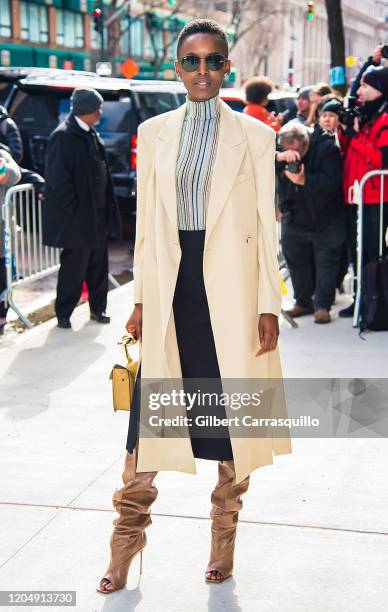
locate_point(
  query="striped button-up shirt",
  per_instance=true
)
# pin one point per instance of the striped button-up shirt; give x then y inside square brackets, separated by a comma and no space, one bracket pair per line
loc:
[196,155]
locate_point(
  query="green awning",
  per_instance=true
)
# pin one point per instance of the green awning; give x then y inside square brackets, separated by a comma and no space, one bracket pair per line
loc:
[56,3]
[21,55]
[74,5]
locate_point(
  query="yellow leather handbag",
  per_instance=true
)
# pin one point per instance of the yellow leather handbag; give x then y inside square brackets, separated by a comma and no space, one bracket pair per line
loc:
[124,377]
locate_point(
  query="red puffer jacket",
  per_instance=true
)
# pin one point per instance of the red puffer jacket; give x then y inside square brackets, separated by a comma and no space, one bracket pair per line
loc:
[364,153]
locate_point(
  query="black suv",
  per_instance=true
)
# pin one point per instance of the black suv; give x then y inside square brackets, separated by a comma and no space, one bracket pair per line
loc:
[39,103]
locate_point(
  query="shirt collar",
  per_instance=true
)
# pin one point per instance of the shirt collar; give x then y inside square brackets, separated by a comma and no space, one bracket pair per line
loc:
[206,109]
[82,124]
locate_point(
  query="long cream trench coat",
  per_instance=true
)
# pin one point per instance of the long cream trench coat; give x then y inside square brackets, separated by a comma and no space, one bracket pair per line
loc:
[240,269]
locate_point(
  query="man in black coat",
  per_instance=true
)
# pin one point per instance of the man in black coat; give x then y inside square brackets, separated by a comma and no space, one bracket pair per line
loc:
[80,209]
[309,171]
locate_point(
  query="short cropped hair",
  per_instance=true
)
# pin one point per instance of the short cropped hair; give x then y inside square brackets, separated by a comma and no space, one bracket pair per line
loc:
[203,26]
[293,130]
[258,89]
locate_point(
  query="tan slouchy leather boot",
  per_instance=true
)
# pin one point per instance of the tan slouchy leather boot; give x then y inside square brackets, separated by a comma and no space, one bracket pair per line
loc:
[226,504]
[132,502]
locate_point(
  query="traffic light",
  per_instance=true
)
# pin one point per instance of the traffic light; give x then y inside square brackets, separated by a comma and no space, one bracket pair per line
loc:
[310,11]
[98,18]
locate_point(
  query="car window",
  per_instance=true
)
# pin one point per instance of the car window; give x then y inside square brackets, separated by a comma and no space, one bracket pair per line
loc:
[236,105]
[154,103]
[33,111]
[116,116]
[5,88]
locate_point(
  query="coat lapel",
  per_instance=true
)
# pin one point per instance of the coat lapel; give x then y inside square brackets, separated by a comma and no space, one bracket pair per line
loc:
[166,154]
[230,152]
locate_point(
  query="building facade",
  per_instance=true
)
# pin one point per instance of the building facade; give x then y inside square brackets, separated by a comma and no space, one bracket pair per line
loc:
[62,34]
[300,49]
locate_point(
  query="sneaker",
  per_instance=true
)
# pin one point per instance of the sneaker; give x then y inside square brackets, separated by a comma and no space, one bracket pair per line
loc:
[347,312]
[321,315]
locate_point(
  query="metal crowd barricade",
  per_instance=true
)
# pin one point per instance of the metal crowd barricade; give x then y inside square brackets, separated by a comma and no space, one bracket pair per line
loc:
[26,257]
[360,235]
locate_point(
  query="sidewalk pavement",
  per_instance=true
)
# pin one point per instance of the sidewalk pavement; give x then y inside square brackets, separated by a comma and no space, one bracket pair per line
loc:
[313,533]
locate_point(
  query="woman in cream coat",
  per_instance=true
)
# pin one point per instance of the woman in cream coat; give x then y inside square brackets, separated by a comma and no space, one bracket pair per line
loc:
[240,301]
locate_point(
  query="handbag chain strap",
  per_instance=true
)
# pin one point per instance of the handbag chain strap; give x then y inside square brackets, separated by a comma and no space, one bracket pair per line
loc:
[127,340]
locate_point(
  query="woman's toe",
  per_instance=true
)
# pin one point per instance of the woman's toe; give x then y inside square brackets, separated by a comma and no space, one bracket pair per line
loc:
[105,584]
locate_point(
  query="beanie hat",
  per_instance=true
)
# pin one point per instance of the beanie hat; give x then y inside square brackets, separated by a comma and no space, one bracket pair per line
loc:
[331,106]
[377,77]
[304,92]
[85,100]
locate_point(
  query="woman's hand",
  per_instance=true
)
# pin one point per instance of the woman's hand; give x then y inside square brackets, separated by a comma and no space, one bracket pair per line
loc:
[268,332]
[135,322]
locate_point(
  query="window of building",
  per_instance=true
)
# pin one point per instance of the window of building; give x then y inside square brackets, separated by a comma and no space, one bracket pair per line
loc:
[70,29]
[5,19]
[132,38]
[33,22]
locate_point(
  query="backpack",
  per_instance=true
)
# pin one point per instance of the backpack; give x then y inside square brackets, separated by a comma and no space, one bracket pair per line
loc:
[374,304]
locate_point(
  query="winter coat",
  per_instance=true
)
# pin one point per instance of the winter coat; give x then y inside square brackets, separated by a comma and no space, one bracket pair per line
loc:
[69,210]
[240,267]
[10,135]
[313,205]
[364,152]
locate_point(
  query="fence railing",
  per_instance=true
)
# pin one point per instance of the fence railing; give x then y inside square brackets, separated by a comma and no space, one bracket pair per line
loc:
[360,236]
[26,257]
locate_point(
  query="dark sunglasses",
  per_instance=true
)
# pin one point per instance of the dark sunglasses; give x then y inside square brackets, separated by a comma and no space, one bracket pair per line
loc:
[214,62]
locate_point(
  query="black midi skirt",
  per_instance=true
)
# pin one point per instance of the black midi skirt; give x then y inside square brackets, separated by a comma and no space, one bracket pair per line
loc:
[198,358]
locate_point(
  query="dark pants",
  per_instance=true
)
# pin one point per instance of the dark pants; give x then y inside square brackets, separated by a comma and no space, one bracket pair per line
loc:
[371,225]
[313,259]
[86,264]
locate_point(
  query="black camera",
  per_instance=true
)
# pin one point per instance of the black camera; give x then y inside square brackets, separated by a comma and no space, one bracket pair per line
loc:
[347,115]
[384,51]
[294,167]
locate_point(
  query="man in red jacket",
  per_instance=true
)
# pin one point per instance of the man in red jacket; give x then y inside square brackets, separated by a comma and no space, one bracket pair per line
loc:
[365,146]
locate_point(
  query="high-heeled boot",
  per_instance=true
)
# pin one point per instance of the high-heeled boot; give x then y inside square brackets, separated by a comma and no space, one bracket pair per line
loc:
[132,502]
[226,504]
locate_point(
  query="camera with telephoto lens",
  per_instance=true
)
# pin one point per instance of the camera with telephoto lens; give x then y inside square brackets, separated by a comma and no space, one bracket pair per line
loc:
[384,51]
[294,167]
[348,114]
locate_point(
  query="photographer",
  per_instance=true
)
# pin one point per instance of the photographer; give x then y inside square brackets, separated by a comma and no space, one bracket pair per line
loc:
[309,169]
[364,142]
[381,52]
